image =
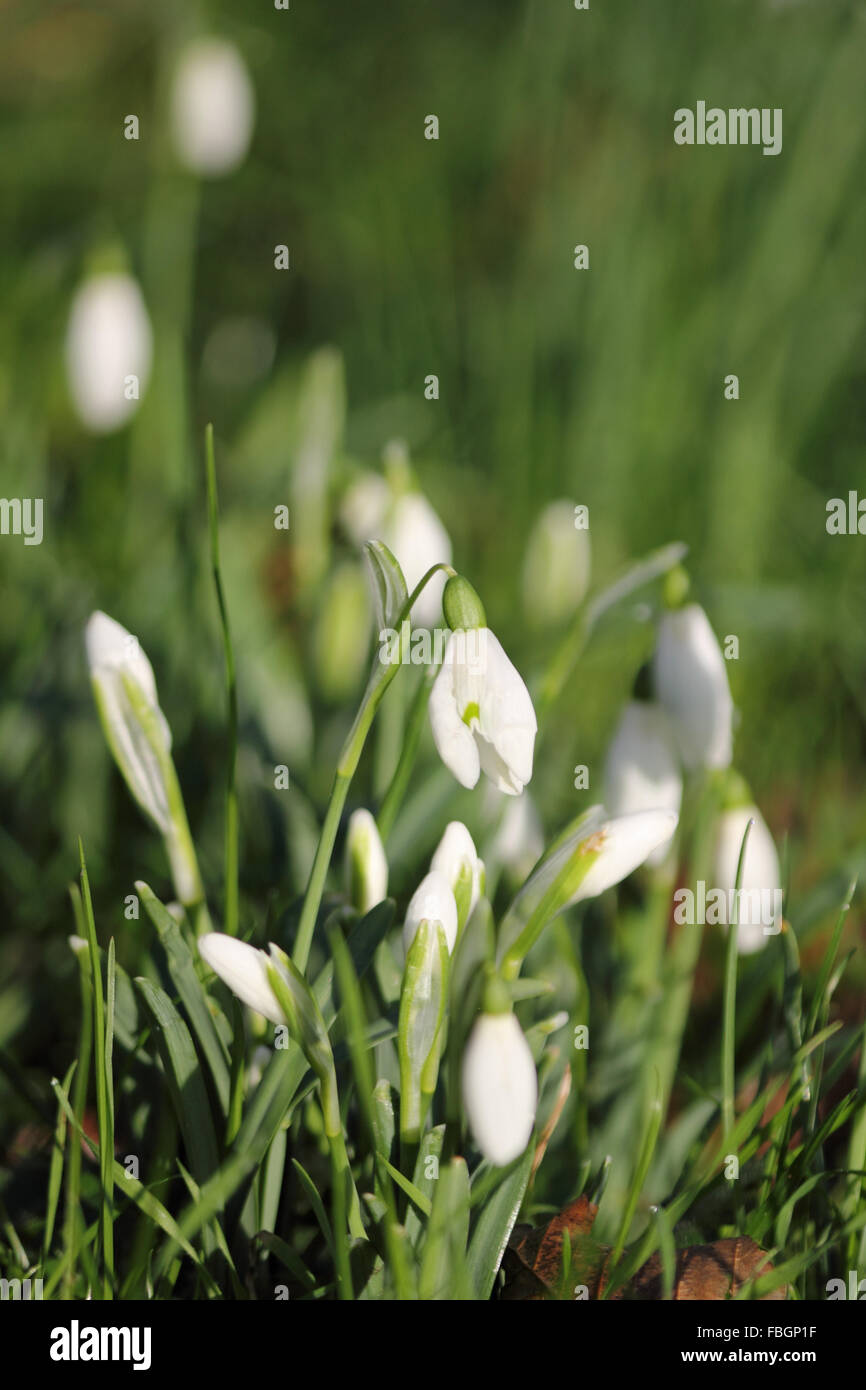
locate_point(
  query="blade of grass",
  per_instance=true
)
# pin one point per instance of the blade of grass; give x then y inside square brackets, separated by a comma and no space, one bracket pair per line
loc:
[230,922]
[106,1137]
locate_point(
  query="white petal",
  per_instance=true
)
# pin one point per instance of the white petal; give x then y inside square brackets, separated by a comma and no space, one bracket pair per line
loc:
[691,681]
[366,863]
[114,655]
[507,717]
[433,900]
[454,741]
[624,842]
[642,770]
[243,969]
[760,884]
[212,107]
[455,851]
[110,647]
[500,1087]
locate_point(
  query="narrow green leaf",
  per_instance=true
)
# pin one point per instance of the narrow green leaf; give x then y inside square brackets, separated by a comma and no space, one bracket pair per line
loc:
[494,1226]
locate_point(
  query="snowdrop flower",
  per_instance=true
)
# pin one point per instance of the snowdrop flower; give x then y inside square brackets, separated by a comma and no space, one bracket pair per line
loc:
[245,970]
[212,107]
[255,977]
[108,351]
[760,900]
[366,865]
[556,566]
[642,769]
[457,860]
[621,844]
[500,1087]
[480,710]
[140,740]
[599,852]
[432,901]
[692,684]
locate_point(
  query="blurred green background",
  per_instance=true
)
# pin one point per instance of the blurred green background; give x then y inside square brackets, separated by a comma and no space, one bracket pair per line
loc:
[411,257]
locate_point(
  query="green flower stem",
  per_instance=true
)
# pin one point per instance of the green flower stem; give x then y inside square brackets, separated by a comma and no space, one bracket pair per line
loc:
[341,1182]
[567,655]
[318,873]
[103,1116]
[560,892]
[346,767]
[393,797]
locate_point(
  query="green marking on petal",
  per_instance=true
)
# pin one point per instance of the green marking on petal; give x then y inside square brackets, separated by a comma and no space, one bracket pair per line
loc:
[471,712]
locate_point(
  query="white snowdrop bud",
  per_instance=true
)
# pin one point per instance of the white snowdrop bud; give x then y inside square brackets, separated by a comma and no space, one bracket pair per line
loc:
[500,1087]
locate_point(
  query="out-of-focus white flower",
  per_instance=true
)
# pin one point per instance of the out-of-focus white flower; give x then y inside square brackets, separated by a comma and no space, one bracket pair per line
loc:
[256,1069]
[418,540]
[138,735]
[642,769]
[366,865]
[212,107]
[481,713]
[244,969]
[556,566]
[432,901]
[759,905]
[456,858]
[411,529]
[518,843]
[500,1087]
[108,343]
[691,683]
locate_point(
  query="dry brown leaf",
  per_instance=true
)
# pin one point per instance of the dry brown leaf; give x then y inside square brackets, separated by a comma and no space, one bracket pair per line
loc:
[533,1263]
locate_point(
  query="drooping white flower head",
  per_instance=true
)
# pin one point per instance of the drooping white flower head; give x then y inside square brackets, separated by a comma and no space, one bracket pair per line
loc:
[456,858]
[366,865]
[556,566]
[108,341]
[212,107]
[622,843]
[244,969]
[432,901]
[642,768]
[759,902]
[692,684]
[120,672]
[500,1087]
[481,713]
